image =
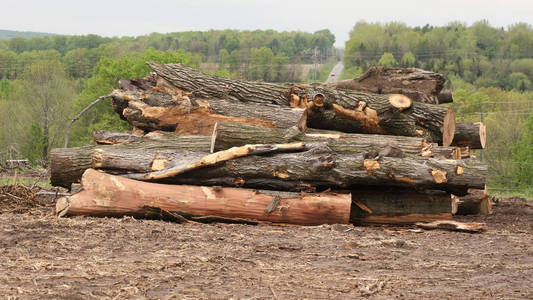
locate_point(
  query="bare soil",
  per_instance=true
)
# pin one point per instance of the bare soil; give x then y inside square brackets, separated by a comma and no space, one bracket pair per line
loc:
[44,257]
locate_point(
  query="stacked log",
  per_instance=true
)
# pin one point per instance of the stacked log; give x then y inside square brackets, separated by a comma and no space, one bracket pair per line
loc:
[206,148]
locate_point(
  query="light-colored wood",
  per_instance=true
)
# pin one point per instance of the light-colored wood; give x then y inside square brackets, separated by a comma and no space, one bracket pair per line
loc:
[454,226]
[108,195]
[472,135]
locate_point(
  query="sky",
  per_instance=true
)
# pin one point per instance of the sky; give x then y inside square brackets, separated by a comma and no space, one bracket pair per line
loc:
[135,17]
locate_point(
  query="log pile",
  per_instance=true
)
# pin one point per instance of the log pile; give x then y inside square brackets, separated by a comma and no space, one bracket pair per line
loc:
[205,148]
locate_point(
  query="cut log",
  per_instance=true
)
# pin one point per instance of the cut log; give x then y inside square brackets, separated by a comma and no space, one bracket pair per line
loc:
[445,96]
[236,134]
[108,195]
[104,137]
[182,114]
[472,135]
[417,84]
[317,168]
[68,164]
[328,108]
[399,206]
[454,226]
[476,202]
[358,112]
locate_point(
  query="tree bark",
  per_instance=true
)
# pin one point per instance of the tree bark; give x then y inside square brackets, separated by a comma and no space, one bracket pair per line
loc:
[68,164]
[235,134]
[179,113]
[417,84]
[233,90]
[358,112]
[108,195]
[328,108]
[472,135]
[399,206]
[315,169]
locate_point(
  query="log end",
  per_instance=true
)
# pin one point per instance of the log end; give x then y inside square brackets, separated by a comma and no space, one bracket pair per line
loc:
[62,206]
[448,127]
[400,102]
[482,135]
[445,96]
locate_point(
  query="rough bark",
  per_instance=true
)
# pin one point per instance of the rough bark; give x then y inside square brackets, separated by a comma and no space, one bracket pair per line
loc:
[182,114]
[233,90]
[328,108]
[108,195]
[399,206]
[417,84]
[472,135]
[358,112]
[317,168]
[235,134]
[104,137]
[476,202]
[68,164]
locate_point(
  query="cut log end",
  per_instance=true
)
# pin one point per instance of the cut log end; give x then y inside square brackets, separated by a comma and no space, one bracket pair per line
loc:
[448,127]
[482,135]
[445,96]
[400,102]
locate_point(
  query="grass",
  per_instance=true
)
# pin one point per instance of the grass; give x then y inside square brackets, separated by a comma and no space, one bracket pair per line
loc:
[500,192]
[28,181]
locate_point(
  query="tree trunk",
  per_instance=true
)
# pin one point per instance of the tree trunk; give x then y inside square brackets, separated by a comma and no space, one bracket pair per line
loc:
[235,134]
[233,90]
[327,108]
[472,135]
[151,111]
[108,195]
[317,168]
[359,112]
[476,202]
[68,164]
[399,206]
[417,84]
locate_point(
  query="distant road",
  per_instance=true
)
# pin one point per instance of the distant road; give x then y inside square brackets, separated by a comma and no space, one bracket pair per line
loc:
[335,72]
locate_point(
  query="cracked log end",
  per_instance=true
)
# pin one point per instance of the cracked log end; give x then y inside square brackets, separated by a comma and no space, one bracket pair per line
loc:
[400,102]
[439,176]
[448,127]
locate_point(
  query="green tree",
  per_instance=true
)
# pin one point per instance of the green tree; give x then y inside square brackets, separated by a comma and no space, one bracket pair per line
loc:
[519,81]
[522,157]
[223,58]
[387,60]
[408,59]
[105,78]
[39,108]
[261,63]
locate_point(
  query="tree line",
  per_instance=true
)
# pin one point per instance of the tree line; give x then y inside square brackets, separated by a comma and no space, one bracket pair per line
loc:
[480,54]
[261,54]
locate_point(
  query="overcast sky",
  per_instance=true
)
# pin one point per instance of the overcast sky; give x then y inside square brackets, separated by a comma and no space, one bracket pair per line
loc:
[135,17]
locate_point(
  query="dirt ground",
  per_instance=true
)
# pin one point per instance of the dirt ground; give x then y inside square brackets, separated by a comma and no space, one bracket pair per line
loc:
[44,257]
